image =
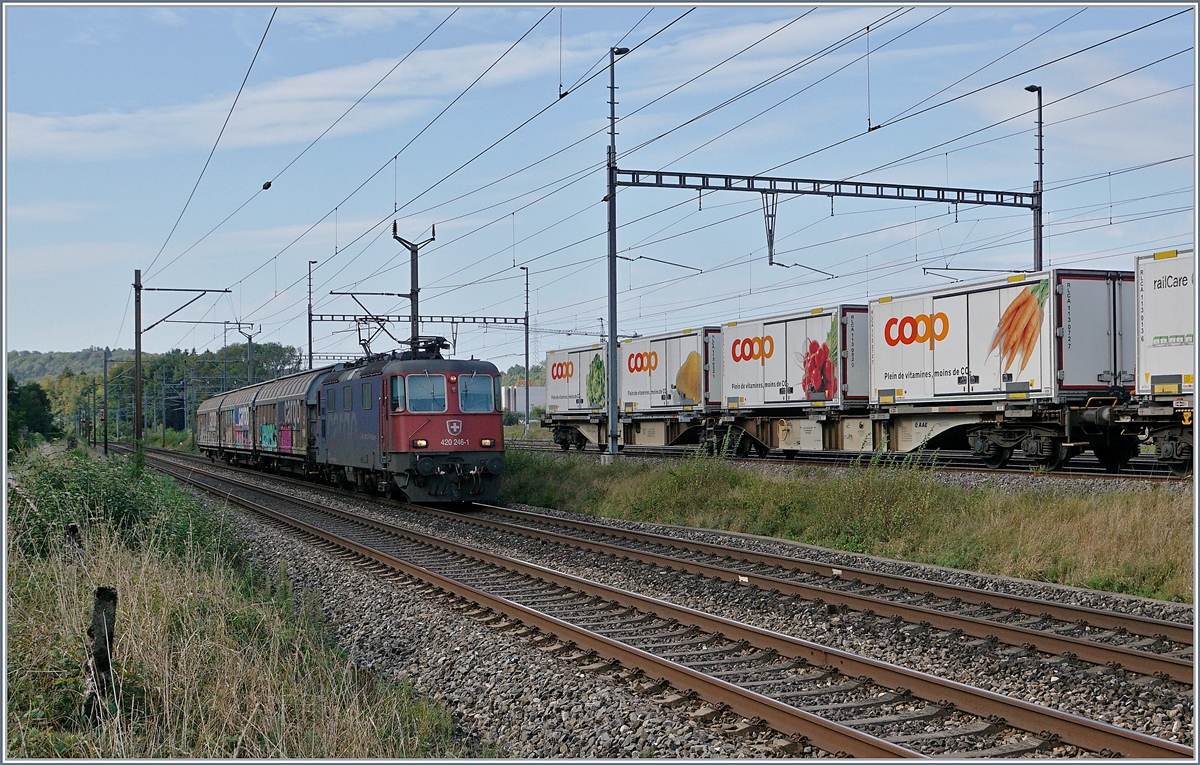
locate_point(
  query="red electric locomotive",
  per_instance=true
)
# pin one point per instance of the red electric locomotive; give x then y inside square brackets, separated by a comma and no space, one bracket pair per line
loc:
[411,424]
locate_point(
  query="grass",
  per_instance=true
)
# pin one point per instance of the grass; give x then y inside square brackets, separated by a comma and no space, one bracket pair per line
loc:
[211,657]
[1129,542]
[536,431]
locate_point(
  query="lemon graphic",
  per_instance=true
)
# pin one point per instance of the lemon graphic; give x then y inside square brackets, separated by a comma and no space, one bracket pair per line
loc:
[687,379]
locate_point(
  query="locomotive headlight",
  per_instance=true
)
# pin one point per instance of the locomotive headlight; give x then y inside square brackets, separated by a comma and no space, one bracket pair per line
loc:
[487,442]
[419,443]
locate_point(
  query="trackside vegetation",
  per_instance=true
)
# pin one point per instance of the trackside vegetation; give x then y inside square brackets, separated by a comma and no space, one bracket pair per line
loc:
[1137,543]
[212,657]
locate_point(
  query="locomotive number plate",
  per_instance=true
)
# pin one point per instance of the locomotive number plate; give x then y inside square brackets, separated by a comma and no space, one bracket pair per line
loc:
[456,442]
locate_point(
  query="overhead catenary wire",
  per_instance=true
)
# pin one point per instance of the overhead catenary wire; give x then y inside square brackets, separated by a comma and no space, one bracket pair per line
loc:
[304,151]
[215,143]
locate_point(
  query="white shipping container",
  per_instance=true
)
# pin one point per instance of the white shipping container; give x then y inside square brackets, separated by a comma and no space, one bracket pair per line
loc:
[1166,323]
[667,372]
[813,359]
[1026,336]
[576,380]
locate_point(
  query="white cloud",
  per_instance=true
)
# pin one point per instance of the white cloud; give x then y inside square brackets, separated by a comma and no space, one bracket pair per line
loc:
[288,110]
[51,211]
[73,257]
[334,22]
[165,16]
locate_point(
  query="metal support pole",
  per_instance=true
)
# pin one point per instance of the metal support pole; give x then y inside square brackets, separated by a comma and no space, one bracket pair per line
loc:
[1038,185]
[249,352]
[106,355]
[311,263]
[137,360]
[413,253]
[613,355]
[526,270]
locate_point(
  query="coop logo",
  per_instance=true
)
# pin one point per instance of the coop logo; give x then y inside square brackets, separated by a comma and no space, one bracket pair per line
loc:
[454,427]
[754,349]
[563,370]
[643,362]
[916,329]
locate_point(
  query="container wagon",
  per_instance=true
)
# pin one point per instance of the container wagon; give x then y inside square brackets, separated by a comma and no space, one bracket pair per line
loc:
[576,379]
[667,387]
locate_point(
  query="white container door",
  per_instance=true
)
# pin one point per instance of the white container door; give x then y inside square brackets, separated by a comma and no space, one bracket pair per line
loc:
[663,364]
[774,347]
[949,332]
[1087,332]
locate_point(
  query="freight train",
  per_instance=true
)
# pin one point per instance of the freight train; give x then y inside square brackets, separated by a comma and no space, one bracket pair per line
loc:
[411,424]
[1050,364]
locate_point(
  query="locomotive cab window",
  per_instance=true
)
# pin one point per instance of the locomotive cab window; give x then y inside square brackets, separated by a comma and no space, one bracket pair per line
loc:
[475,393]
[347,399]
[397,402]
[366,395]
[426,393]
[496,393]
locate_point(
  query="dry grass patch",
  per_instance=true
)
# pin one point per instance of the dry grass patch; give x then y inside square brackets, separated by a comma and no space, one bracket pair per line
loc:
[210,660]
[1131,542]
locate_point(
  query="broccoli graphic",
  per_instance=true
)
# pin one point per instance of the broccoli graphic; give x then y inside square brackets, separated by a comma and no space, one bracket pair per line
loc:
[595,382]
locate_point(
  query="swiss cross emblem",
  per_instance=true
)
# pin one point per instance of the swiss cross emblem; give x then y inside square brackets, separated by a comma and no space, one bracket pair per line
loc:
[454,427]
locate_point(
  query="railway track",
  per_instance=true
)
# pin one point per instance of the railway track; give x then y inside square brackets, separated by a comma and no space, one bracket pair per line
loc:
[838,701]
[1080,467]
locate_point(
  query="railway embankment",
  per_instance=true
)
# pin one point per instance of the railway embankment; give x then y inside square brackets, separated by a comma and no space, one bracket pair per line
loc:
[1132,539]
[211,655]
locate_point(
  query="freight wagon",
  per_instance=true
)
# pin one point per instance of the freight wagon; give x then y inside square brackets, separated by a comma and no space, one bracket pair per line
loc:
[794,382]
[667,386]
[576,379]
[1028,362]
[1166,366]
[1051,364]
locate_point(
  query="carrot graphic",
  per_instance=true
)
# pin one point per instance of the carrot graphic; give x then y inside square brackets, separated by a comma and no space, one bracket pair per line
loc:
[1020,326]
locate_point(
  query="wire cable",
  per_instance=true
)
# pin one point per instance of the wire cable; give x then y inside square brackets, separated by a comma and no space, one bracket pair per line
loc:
[214,148]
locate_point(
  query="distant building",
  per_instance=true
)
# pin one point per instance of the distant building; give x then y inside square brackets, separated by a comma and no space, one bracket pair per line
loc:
[512,397]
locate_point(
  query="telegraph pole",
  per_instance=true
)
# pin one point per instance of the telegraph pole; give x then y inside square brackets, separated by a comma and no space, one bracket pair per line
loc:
[413,249]
[613,355]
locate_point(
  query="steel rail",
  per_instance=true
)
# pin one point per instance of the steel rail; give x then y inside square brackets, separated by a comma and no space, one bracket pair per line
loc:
[1091,735]
[1180,670]
[783,718]
[1143,470]
[1139,625]
[1143,662]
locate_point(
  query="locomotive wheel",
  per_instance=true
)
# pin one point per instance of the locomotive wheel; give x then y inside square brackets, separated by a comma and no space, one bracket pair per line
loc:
[996,457]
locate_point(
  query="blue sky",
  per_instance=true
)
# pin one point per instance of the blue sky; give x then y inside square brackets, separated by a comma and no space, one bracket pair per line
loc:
[111,113]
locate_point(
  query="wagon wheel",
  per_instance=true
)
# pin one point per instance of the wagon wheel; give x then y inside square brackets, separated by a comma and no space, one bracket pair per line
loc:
[996,457]
[1059,456]
[1181,469]
[580,444]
